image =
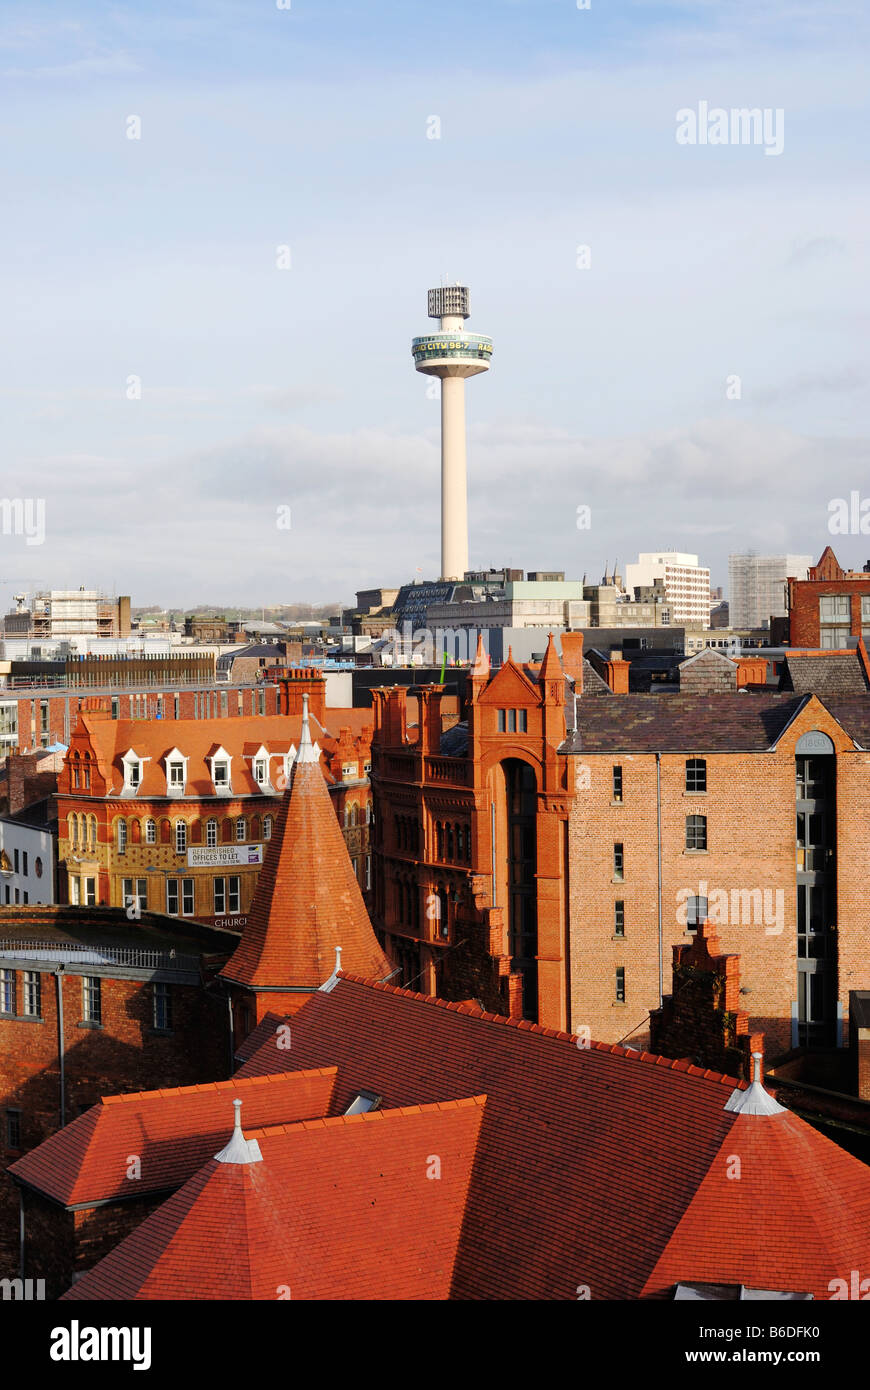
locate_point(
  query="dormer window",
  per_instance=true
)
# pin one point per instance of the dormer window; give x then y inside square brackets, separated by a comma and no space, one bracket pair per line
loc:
[260,770]
[220,771]
[176,773]
[133,768]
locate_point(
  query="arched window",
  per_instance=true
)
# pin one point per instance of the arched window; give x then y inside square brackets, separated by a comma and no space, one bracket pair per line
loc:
[439,839]
[151,832]
[165,832]
[74,831]
[267,827]
[211,833]
[196,832]
[180,837]
[87,771]
[347,816]
[255,827]
[76,773]
[241,829]
[354,814]
[122,837]
[93,824]
[368,813]
[135,832]
[450,846]
[227,831]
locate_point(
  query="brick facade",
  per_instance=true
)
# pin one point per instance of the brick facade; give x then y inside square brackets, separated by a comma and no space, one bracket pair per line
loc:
[828,579]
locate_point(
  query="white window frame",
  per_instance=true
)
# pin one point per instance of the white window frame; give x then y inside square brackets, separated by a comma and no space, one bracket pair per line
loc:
[180,829]
[211,833]
[150,831]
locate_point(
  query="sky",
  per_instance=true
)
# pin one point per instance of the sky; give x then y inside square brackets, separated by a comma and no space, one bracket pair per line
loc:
[205,373]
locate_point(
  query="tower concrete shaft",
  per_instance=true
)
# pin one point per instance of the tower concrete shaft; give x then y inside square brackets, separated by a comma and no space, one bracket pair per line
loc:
[452,354]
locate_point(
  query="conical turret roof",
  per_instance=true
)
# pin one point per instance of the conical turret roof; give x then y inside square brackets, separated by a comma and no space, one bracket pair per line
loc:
[307,900]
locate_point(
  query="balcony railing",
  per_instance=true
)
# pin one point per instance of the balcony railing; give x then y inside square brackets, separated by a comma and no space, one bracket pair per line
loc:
[136,957]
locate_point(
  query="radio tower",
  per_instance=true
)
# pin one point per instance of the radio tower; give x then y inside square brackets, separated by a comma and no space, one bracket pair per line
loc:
[453,355]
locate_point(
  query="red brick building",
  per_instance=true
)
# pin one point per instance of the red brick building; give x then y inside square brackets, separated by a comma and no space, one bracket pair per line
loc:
[175,815]
[830,609]
[92,1003]
[546,854]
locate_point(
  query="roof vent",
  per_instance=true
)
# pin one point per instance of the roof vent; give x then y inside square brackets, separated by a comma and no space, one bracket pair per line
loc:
[239,1149]
[755,1100]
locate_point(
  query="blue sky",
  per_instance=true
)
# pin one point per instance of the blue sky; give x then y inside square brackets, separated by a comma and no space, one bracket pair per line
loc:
[262,387]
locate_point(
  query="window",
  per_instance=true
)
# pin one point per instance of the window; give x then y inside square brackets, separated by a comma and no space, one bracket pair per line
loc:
[834,608]
[501,721]
[17,865]
[511,721]
[180,837]
[24,861]
[224,703]
[150,832]
[618,863]
[74,891]
[261,702]
[234,893]
[172,896]
[368,871]
[187,897]
[32,994]
[220,897]
[211,836]
[522,721]
[7,992]
[620,984]
[93,828]
[267,827]
[13,1129]
[176,706]
[241,829]
[362,1102]
[134,773]
[696,913]
[162,1008]
[221,774]
[92,1004]
[619,919]
[833,639]
[260,770]
[617,783]
[696,832]
[696,774]
[116,707]
[176,774]
[90,892]
[122,837]
[135,893]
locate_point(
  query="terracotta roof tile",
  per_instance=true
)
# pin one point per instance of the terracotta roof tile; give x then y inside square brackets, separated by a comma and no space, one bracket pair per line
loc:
[339,1210]
[172,1132]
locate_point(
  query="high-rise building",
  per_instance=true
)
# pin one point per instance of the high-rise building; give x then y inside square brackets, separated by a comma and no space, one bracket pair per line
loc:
[452,354]
[757,586]
[686,584]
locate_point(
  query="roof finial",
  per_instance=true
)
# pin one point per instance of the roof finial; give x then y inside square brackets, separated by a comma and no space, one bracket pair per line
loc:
[755,1100]
[308,751]
[329,985]
[239,1149]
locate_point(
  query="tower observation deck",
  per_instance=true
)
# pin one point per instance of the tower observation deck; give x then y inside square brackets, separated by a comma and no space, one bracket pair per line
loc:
[452,354]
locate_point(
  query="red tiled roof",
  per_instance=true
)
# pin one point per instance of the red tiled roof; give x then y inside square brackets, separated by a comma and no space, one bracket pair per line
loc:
[793,1216]
[307,900]
[198,739]
[172,1132]
[589,1157]
[347,1208]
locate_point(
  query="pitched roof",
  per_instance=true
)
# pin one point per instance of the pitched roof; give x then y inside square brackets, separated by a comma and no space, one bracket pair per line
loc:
[199,739]
[794,1215]
[307,900]
[171,1132]
[561,1122]
[344,1208]
[824,673]
[725,723]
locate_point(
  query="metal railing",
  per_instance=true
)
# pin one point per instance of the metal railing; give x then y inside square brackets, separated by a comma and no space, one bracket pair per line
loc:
[137,957]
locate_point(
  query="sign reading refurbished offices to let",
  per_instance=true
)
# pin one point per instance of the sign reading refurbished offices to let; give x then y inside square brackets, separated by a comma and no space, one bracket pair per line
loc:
[223,856]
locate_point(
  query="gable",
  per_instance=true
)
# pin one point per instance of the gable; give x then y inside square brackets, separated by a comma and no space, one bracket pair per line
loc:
[510,686]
